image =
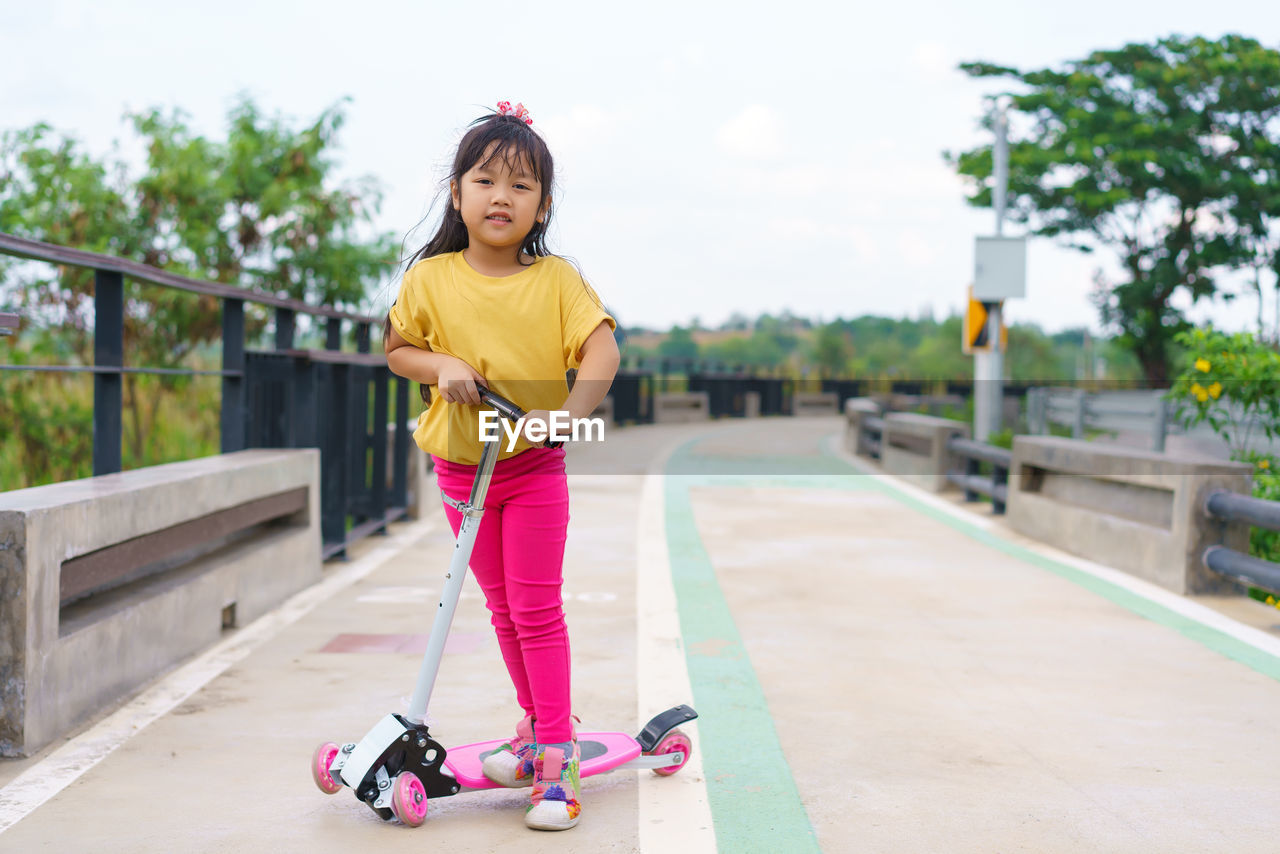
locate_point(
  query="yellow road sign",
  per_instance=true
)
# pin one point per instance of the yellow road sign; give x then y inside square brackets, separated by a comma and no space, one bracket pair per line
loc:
[975,326]
[977,336]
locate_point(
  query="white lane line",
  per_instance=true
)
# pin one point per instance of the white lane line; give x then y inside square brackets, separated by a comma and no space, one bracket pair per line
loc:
[36,785]
[1188,608]
[674,813]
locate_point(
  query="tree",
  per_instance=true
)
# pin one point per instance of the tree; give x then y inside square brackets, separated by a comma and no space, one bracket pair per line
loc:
[832,348]
[259,209]
[1143,150]
[679,344]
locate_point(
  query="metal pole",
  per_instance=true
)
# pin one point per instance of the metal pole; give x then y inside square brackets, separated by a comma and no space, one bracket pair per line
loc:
[108,351]
[400,450]
[1160,425]
[472,513]
[284,328]
[988,366]
[995,310]
[233,408]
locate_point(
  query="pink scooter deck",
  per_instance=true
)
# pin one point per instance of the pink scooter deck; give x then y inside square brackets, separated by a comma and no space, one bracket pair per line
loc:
[601,752]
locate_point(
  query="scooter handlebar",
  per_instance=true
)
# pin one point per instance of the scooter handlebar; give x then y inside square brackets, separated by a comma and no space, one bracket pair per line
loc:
[507,409]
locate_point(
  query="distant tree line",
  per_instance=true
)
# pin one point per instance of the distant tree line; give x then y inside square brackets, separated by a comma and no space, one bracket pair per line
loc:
[884,347]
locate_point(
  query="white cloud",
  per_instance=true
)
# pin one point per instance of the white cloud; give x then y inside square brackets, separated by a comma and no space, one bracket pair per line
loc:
[753,134]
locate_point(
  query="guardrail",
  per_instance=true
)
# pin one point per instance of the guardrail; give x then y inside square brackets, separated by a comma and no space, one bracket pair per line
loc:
[1140,411]
[241,411]
[995,485]
[873,436]
[109,582]
[1258,512]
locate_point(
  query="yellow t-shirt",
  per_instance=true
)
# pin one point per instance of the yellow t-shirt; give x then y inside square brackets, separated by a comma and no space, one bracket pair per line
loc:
[521,332]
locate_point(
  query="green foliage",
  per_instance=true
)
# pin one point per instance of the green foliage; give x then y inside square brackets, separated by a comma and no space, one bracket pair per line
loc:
[260,208]
[46,425]
[1167,153]
[831,348]
[1266,485]
[760,349]
[1231,382]
[679,345]
[1001,438]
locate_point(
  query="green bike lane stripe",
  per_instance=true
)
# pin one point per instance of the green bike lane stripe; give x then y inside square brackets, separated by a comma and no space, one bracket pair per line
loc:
[1266,663]
[753,797]
[754,802]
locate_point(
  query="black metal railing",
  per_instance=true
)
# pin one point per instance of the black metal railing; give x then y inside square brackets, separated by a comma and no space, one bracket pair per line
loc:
[352,505]
[1259,513]
[727,390]
[994,485]
[844,389]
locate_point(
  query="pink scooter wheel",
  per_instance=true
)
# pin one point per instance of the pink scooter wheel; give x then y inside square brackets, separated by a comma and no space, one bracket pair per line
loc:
[320,762]
[409,799]
[675,741]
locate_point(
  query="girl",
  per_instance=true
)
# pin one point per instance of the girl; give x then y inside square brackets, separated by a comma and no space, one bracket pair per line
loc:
[485,302]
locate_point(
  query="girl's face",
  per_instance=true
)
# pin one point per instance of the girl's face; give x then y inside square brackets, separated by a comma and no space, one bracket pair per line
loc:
[500,201]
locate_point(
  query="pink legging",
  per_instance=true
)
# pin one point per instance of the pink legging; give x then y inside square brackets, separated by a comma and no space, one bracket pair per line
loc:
[518,561]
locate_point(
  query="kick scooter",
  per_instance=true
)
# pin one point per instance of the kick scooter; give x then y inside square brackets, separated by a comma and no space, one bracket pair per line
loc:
[397,766]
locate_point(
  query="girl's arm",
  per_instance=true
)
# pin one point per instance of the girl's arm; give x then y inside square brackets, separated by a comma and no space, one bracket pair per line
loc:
[600,361]
[454,378]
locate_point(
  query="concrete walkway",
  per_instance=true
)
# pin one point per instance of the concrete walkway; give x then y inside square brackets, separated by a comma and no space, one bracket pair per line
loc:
[876,670]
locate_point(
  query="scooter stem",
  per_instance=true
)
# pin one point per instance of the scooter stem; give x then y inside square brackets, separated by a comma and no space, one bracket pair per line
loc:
[472,512]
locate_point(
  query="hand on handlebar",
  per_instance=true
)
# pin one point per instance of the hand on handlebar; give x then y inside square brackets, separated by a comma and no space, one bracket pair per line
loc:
[457,382]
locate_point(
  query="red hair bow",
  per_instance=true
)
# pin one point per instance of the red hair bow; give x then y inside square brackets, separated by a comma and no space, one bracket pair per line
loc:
[505,109]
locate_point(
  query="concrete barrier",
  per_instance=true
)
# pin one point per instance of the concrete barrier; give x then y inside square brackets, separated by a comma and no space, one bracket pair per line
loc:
[815,403]
[856,411]
[916,446]
[676,407]
[1139,511]
[107,581]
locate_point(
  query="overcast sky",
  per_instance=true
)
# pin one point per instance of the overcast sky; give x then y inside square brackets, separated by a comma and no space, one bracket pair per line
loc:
[713,157]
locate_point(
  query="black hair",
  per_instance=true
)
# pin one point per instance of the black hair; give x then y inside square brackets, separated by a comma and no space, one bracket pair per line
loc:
[489,138]
[492,137]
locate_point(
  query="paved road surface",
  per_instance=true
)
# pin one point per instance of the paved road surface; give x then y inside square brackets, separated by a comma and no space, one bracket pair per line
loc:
[876,671]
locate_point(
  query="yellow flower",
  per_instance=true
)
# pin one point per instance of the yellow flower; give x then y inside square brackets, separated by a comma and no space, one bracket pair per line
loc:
[1264,464]
[1201,394]
[1271,600]
[1202,365]
[1215,390]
